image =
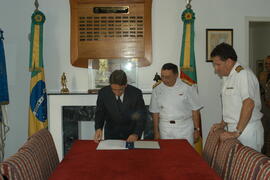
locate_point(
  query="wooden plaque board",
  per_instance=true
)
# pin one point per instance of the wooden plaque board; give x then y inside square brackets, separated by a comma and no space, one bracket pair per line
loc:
[110,29]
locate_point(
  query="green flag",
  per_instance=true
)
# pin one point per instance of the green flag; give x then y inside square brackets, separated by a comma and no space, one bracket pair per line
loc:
[187,59]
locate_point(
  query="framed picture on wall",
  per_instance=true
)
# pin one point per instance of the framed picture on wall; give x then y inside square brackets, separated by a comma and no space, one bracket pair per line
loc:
[215,37]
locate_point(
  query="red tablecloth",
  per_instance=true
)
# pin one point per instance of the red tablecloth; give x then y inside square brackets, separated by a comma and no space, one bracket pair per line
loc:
[175,159]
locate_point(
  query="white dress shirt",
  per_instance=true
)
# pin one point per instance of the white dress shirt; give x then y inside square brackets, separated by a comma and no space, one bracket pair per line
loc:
[176,102]
[237,87]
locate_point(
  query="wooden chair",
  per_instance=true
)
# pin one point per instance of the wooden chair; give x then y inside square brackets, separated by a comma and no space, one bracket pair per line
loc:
[246,163]
[211,145]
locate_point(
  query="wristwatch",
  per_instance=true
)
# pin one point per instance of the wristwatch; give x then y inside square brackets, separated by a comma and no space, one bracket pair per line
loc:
[197,129]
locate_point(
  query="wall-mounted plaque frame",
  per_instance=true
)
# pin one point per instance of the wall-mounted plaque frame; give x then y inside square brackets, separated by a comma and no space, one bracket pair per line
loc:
[111,29]
[215,37]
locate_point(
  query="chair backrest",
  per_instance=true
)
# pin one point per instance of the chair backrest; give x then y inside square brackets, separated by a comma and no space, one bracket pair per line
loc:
[35,160]
[246,163]
[211,144]
[42,146]
[21,166]
[223,157]
[46,141]
[264,173]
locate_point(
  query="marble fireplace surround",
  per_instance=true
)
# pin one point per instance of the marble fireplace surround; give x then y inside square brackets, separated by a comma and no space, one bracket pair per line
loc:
[56,101]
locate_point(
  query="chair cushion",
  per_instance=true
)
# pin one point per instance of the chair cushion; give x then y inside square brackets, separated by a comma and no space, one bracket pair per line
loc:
[35,160]
[264,173]
[246,163]
[42,146]
[21,166]
[46,141]
[40,155]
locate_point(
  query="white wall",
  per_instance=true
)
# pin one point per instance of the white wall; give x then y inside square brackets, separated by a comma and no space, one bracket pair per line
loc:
[14,20]
[167,33]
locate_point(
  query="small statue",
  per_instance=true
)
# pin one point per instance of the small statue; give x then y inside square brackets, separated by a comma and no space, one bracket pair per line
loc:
[64,83]
[158,80]
[157,77]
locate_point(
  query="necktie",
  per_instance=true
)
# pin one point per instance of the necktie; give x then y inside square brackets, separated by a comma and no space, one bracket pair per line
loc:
[119,104]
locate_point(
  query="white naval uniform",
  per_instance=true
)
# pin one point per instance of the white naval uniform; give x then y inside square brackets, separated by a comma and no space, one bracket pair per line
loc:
[175,104]
[237,87]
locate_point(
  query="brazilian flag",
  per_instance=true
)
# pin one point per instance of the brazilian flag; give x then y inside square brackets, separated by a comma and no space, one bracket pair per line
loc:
[187,59]
[4,97]
[38,96]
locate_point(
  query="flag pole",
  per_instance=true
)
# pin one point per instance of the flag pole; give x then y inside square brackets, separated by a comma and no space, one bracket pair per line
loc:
[3,131]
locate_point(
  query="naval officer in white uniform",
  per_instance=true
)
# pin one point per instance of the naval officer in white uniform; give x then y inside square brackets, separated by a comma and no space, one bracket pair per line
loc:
[240,99]
[175,107]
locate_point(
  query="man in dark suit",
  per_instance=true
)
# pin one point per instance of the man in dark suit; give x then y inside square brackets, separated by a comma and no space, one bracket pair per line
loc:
[121,108]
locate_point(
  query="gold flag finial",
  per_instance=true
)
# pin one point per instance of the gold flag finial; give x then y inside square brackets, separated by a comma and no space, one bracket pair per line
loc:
[188,6]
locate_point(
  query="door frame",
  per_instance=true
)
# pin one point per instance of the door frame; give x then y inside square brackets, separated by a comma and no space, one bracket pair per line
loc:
[249,19]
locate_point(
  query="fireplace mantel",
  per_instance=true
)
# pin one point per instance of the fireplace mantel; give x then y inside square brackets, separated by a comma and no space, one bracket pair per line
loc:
[55,103]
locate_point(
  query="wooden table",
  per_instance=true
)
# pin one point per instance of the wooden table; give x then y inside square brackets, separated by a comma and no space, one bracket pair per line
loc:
[176,159]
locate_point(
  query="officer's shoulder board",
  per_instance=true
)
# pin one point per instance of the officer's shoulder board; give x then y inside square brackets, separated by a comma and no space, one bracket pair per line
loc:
[239,68]
[156,84]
